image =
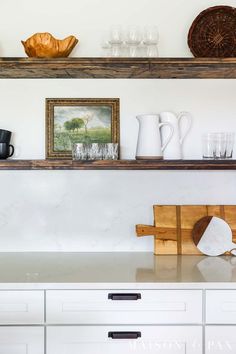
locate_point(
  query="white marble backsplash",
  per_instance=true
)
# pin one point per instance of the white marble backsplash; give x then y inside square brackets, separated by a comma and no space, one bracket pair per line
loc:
[96,210]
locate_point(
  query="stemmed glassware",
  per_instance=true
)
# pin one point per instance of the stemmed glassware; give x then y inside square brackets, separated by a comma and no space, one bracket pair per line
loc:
[116,40]
[150,40]
[132,41]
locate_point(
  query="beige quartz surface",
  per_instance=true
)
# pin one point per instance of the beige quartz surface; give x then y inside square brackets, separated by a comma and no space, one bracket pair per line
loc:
[113,268]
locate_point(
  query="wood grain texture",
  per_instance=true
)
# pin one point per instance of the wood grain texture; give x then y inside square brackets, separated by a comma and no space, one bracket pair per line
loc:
[199,229]
[44,45]
[117,68]
[173,225]
[67,164]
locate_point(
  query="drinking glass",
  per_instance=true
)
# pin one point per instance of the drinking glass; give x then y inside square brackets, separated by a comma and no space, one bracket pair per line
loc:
[116,35]
[208,146]
[79,152]
[133,39]
[150,35]
[220,145]
[110,151]
[93,152]
[230,145]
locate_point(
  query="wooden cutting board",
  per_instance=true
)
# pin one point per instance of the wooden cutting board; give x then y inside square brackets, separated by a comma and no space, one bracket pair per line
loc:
[173,225]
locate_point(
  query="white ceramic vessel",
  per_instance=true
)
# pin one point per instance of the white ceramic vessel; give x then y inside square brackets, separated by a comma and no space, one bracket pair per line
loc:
[181,125]
[149,145]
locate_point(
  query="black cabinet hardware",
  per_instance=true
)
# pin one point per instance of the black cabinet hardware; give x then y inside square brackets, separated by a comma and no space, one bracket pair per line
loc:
[124,297]
[124,335]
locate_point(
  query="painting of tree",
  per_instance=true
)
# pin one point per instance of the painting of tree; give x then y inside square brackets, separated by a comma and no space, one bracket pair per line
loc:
[82,121]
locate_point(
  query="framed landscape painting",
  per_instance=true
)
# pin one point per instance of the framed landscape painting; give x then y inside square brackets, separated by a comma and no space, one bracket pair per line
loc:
[82,120]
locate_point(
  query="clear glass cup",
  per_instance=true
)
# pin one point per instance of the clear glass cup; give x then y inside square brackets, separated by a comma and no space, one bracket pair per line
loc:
[218,145]
[116,35]
[133,39]
[79,152]
[94,152]
[230,145]
[150,35]
[208,146]
[133,36]
[110,151]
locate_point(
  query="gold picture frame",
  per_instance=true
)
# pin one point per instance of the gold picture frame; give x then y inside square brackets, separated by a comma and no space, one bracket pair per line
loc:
[75,120]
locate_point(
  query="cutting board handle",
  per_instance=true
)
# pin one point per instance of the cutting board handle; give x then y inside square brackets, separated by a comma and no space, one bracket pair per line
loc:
[233,249]
[146,230]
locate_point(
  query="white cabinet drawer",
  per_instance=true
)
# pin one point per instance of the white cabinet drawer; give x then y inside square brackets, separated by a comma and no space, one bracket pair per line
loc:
[152,340]
[21,340]
[221,306]
[124,307]
[220,340]
[21,307]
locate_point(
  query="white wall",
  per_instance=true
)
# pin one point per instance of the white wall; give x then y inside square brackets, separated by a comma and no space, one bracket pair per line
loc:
[89,210]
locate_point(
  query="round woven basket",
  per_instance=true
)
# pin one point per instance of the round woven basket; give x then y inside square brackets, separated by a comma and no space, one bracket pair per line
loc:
[213,33]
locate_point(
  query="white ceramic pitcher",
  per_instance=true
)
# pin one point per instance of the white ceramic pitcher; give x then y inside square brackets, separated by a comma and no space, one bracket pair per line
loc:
[149,145]
[174,150]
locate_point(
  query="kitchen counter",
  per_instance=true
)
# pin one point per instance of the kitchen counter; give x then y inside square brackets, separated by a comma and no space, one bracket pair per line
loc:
[83,302]
[84,270]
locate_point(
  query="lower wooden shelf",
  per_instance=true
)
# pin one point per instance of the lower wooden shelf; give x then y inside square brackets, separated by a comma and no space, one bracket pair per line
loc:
[118,165]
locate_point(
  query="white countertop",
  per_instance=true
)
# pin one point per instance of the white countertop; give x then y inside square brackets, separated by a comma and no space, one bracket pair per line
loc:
[114,270]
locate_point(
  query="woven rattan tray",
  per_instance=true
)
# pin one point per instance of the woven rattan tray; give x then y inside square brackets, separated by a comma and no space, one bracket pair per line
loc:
[213,33]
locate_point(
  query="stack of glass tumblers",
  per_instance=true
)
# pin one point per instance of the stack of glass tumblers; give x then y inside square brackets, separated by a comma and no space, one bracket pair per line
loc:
[95,151]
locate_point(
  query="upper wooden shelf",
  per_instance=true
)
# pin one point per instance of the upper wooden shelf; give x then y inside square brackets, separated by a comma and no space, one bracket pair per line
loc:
[118,165]
[117,68]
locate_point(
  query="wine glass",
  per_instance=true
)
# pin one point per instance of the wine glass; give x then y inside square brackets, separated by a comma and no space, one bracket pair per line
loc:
[116,35]
[133,39]
[150,35]
[150,40]
[116,40]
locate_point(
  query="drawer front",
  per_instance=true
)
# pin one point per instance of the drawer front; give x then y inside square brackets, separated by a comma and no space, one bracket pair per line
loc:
[21,340]
[21,307]
[221,306]
[150,339]
[124,307]
[220,340]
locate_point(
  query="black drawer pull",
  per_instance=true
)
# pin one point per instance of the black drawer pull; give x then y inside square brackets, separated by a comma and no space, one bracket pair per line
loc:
[124,335]
[124,297]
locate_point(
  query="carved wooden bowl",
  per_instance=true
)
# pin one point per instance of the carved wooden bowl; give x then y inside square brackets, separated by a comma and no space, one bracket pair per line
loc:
[44,45]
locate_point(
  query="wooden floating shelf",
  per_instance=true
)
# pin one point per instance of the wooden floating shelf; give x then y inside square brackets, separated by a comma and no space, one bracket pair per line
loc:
[117,165]
[117,68]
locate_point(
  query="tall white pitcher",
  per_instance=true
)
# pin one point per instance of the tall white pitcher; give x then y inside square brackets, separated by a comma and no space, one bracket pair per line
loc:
[149,145]
[174,150]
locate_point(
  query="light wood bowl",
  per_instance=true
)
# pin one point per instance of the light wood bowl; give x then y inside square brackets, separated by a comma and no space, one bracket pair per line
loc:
[44,45]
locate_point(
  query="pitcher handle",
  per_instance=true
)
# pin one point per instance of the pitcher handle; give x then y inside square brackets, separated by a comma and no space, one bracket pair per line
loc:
[161,125]
[188,118]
